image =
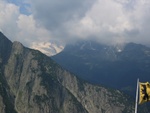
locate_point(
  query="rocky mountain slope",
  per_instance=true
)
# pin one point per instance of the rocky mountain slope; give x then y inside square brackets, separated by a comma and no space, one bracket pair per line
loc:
[113,66]
[31,82]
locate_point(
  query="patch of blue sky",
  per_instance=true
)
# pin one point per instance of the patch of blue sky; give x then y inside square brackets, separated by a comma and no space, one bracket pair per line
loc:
[24,7]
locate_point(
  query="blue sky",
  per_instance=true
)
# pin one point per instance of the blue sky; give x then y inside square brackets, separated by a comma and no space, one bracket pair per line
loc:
[38,23]
[24,6]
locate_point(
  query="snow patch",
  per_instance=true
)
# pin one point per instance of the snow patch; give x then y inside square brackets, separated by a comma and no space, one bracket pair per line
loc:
[47,48]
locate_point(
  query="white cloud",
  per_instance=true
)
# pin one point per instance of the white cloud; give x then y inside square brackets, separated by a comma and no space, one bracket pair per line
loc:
[112,21]
[107,21]
[53,13]
[37,37]
[8,14]
[21,27]
[30,31]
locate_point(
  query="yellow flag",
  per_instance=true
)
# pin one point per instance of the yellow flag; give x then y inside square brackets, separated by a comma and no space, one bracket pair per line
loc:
[144,90]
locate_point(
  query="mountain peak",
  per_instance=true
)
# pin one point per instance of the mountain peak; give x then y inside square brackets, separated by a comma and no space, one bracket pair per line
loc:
[5,47]
[17,44]
[3,38]
[31,82]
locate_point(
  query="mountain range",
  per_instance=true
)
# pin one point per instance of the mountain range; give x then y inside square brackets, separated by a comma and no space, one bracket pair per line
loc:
[49,48]
[116,66]
[31,82]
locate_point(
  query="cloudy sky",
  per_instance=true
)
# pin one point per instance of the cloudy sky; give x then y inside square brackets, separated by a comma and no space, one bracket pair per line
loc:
[38,23]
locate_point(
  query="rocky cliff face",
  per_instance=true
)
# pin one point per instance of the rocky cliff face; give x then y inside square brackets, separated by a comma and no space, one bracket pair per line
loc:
[31,82]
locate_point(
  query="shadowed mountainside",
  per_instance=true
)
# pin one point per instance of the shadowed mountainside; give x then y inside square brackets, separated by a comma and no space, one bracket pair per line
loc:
[113,66]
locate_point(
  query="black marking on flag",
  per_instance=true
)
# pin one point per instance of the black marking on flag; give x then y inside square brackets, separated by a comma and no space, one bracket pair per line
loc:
[144,91]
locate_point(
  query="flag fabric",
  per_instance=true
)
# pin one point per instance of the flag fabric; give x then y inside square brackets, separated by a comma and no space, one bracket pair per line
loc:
[144,92]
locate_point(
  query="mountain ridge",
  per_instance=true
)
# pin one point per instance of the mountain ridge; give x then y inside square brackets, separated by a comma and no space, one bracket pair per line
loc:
[113,66]
[32,82]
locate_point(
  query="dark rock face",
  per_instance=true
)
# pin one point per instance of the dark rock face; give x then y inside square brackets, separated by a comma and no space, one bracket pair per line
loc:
[31,82]
[5,48]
